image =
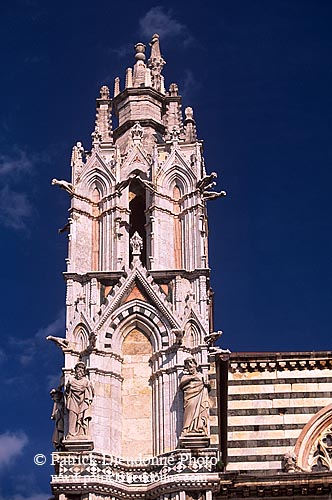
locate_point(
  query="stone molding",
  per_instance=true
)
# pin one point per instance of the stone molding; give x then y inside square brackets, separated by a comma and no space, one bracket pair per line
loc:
[119,291]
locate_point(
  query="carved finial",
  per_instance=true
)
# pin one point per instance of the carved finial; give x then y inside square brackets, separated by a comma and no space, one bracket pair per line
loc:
[104,92]
[116,86]
[156,64]
[103,124]
[189,113]
[136,243]
[129,78]
[173,90]
[139,68]
[140,51]
[77,161]
[77,154]
[189,125]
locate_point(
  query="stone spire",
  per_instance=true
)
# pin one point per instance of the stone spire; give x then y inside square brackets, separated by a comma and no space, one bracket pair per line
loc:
[156,64]
[173,116]
[103,125]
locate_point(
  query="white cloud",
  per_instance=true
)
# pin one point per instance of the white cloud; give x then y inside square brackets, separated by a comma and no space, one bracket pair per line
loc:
[33,496]
[53,381]
[189,86]
[28,348]
[158,20]
[2,355]
[15,208]
[56,327]
[17,163]
[11,446]
[122,51]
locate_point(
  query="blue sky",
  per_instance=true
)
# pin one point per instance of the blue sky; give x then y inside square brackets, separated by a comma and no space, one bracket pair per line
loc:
[258,76]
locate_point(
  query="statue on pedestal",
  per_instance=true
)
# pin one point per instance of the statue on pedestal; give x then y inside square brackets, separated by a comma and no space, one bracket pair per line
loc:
[195,401]
[79,396]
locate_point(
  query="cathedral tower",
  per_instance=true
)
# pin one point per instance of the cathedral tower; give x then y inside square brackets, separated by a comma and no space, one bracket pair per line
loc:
[136,411]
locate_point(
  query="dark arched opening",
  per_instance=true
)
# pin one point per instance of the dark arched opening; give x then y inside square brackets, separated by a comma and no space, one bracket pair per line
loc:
[137,206]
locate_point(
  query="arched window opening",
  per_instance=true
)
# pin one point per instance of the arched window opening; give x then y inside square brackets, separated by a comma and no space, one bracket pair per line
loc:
[177,228]
[137,219]
[95,229]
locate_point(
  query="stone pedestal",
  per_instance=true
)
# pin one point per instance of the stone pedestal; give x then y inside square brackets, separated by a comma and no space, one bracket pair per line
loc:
[194,441]
[78,444]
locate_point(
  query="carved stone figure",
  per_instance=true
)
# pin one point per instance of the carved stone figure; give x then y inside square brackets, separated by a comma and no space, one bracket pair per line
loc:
[195,401]
[206,181]
[212,195]
[58,416]
[67,186]
[136,243]
[79,396]
[289,462]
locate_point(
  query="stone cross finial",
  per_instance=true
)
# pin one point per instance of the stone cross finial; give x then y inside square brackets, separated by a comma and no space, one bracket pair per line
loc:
[136,243]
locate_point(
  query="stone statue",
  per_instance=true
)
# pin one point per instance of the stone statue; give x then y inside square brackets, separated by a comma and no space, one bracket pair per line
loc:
[79,396]
[57,415]
[195,401]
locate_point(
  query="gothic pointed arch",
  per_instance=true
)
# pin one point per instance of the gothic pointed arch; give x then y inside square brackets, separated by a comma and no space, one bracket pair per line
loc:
[96,173]
[192,335]
[80,338]
[138,314]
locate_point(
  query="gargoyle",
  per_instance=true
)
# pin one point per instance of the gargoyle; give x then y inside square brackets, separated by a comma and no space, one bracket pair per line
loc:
[212,338]
[120,186]
[212,195]
[67,186]
[207,181]
[59,341]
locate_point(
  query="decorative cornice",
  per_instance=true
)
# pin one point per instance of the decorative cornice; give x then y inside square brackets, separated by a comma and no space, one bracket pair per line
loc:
[270,362]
